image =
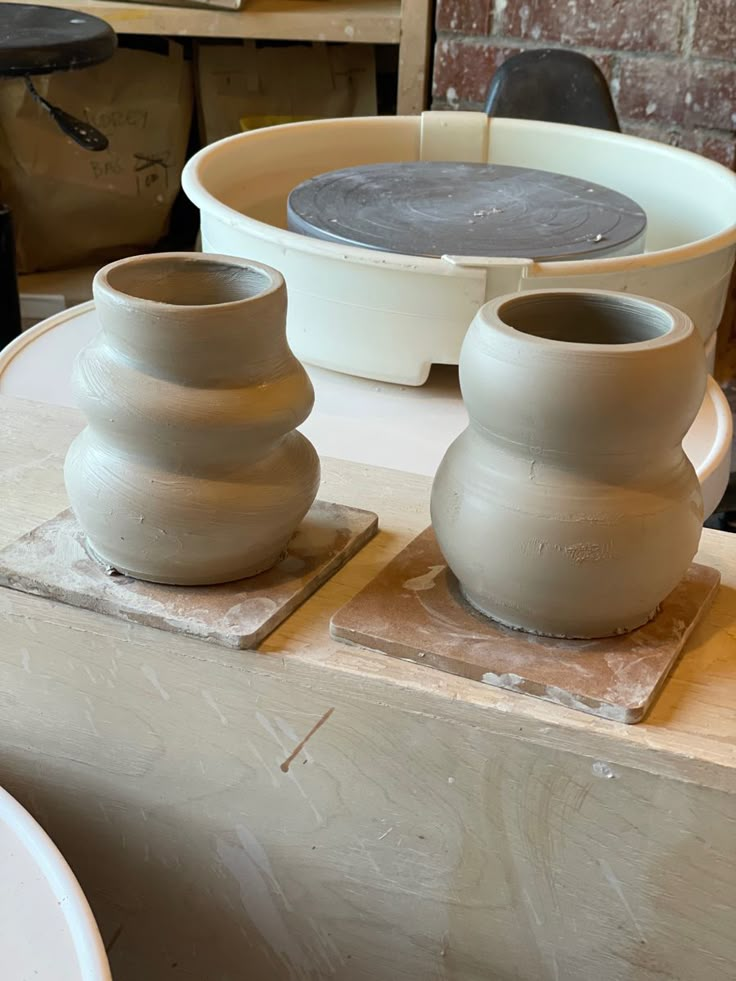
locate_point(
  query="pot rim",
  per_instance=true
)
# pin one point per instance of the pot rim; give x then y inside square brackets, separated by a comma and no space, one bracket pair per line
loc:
[101,282]
[679,327]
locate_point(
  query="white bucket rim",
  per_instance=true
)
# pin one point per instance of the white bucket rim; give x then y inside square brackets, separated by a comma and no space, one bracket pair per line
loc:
[209,204]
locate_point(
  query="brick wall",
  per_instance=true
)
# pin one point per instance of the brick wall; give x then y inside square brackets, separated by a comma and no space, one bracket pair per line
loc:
[671,64]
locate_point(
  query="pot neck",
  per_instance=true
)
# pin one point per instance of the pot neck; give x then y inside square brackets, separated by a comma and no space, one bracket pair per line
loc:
[218,345]
[590,325]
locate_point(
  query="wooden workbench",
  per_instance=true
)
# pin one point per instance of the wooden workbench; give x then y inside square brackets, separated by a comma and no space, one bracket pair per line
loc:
[407,23]
[431,828]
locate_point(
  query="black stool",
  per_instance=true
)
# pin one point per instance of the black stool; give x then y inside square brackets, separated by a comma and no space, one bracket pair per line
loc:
[38,40]
[554,86]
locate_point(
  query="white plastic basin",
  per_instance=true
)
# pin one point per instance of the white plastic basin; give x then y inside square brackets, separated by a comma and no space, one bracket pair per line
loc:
[47,930]
[390,317]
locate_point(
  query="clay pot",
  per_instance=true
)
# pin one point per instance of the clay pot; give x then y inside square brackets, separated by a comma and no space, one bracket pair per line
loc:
[568,507]
[190,470]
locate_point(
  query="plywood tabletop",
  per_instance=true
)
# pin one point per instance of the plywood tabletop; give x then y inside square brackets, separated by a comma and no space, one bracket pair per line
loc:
[690,735]
[366,21]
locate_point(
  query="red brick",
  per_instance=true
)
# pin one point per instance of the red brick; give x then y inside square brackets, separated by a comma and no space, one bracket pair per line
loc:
[700,93]
[717,146]
[711,95]
[465,16]
[605,62]
[715,29]
[652,89]
[658,132]
[634,25]
[463,71]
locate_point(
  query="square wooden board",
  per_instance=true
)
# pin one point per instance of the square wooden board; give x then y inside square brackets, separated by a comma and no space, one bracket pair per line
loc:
[52,561]
[414,610]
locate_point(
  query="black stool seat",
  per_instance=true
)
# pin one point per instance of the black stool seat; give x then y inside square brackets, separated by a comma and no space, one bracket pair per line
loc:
[435,209]
[554,85]
[38,40]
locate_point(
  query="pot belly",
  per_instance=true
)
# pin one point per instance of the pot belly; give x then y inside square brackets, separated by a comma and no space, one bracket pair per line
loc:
[574,553]
[190,528]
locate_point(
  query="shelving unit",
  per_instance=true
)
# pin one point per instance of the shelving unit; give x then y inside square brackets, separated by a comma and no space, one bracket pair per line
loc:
[406,23]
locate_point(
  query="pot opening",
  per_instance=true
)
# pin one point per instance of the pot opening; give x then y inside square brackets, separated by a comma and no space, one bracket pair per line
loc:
[586,318]
[188,282]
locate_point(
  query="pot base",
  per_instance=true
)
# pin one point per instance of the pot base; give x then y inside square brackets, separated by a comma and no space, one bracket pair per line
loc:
[112,569]
[482,608]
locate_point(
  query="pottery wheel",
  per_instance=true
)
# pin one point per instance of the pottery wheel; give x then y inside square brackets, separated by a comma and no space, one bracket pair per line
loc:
[435,209]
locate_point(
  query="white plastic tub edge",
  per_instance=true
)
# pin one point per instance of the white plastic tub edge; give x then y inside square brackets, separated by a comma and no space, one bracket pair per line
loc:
[389,317]
[88,946]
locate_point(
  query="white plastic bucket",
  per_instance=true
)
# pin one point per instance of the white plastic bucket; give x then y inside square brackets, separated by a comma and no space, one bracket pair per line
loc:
[47,929]
[389,317]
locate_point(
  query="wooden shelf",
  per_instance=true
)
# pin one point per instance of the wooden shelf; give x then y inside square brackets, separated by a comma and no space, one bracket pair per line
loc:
[358,21]
[406,23]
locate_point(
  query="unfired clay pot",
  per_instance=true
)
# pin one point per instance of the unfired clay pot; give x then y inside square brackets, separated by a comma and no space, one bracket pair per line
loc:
[190,470]
[568,507]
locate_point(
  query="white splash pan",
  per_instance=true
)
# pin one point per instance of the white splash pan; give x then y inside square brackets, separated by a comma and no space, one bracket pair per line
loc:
[353,419]
[47,929]
[390,317]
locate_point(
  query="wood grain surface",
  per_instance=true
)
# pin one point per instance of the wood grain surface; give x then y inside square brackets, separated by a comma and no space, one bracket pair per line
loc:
[427,827]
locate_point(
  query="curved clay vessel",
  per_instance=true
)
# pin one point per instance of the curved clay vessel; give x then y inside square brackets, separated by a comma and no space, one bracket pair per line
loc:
[568,507]
[190,471]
